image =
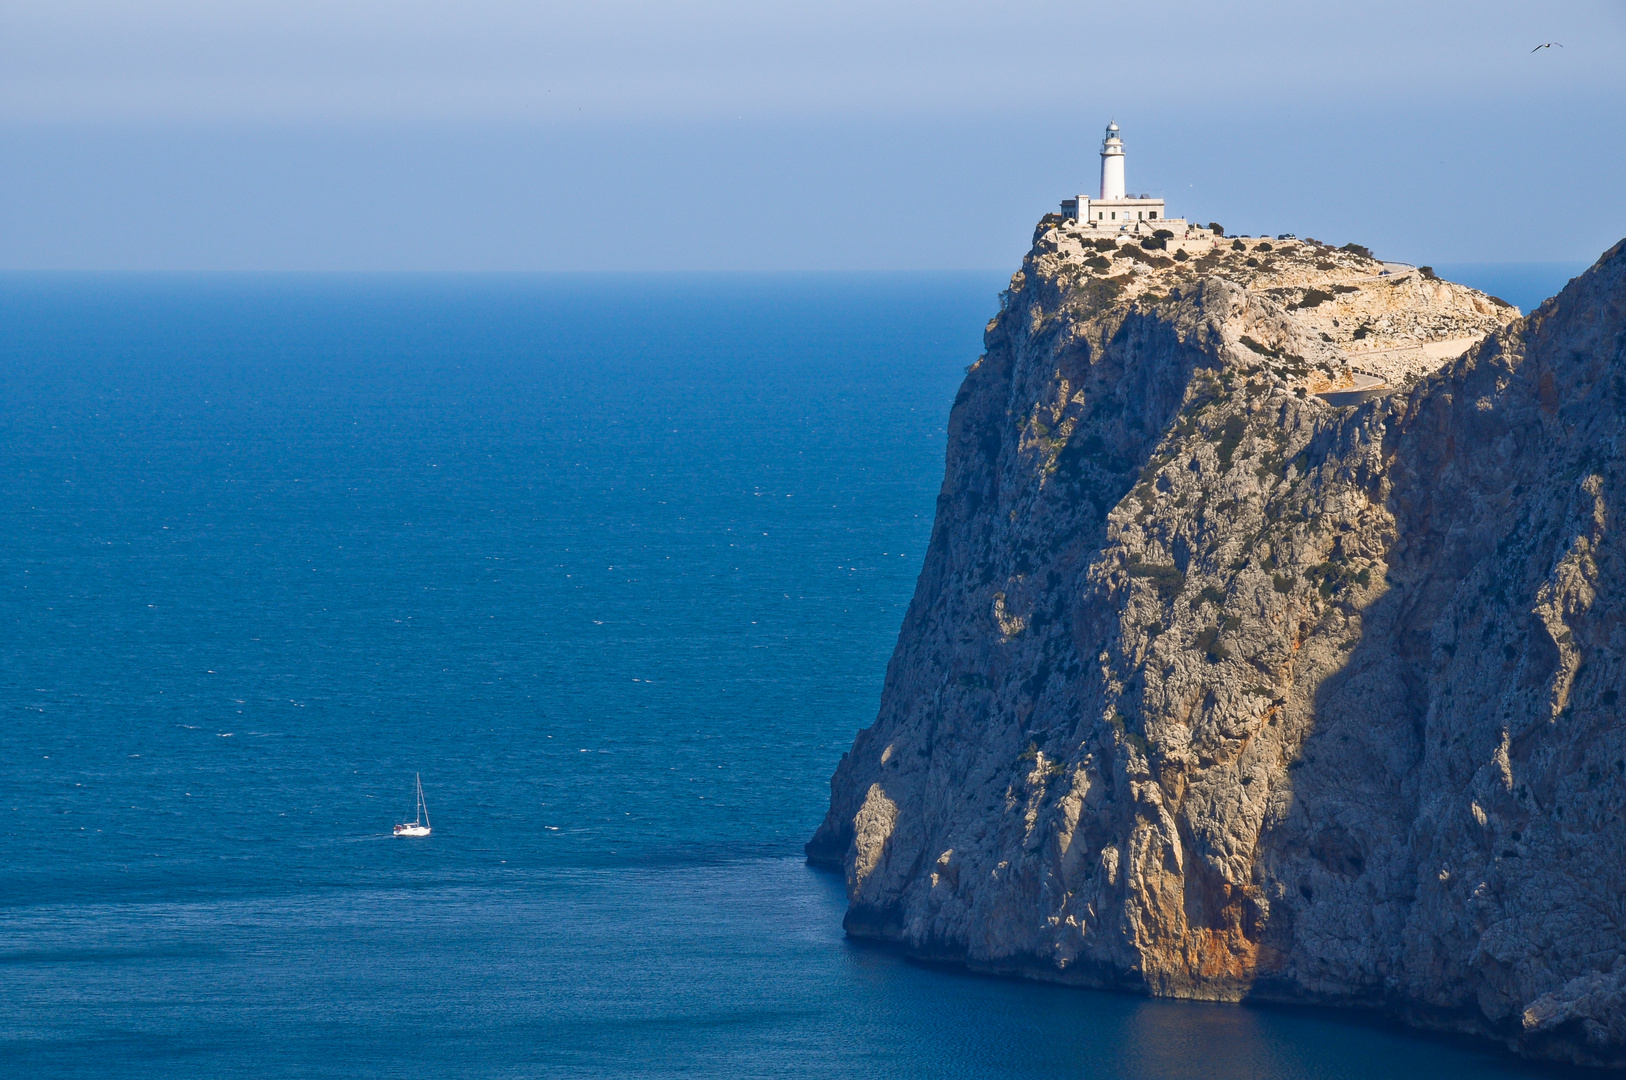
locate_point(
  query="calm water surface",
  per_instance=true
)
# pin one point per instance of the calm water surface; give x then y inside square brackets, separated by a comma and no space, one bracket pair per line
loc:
[616,563]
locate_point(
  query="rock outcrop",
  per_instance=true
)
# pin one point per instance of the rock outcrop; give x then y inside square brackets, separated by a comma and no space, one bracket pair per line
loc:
[1215,688]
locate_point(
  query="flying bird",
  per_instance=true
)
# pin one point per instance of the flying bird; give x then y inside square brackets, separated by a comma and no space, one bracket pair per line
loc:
[1548,45]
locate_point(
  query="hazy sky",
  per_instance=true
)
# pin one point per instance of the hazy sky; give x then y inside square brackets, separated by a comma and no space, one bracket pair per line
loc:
[404,134]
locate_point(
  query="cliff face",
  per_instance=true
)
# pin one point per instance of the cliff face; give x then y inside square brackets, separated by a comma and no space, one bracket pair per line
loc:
[1214,688]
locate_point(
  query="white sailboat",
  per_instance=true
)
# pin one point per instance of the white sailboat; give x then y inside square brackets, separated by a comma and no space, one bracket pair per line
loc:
[419,825]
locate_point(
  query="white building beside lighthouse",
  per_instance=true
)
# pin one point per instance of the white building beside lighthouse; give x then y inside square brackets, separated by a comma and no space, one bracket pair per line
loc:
[1115,210]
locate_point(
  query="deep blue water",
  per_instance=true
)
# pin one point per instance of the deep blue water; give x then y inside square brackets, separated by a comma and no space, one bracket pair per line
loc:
[616,563]
[1524,285]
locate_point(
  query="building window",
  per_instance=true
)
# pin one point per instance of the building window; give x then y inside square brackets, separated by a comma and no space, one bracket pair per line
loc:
[1154,215]
[1140,214]
[1115,215]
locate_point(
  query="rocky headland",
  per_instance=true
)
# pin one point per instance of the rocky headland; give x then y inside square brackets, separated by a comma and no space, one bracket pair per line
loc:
[1269,645]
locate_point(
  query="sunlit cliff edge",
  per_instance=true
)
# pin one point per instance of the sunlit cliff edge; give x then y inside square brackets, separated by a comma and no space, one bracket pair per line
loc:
[1269,645]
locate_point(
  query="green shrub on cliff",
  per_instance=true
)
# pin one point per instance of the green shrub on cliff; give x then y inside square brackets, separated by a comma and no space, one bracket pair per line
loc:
[1274,354]
[1230,437]
[1208,643]
[1096,293]
[1334,576]
[1167,579]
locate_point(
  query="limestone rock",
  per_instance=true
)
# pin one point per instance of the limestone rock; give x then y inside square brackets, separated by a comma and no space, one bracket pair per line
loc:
[1214,688]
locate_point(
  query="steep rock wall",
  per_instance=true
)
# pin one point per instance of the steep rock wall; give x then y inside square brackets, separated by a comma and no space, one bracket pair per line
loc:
[1211,688]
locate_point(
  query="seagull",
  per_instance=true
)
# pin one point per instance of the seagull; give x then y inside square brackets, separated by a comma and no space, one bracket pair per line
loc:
[1548,45]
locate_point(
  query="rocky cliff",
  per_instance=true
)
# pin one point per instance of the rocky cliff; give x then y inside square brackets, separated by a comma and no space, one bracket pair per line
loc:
[1218,684]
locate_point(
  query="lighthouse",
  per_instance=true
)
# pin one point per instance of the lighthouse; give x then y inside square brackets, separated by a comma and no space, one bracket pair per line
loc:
[1114,209]
[1112,164]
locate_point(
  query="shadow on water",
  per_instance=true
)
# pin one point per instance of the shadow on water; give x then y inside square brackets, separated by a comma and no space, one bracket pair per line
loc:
[1076,1031]
[1135,1037]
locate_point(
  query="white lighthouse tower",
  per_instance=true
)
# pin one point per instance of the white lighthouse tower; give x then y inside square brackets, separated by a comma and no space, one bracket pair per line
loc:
[1116,210]
[1112,164]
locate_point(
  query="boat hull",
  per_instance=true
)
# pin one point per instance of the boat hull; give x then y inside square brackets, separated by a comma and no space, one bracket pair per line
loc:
[412,830]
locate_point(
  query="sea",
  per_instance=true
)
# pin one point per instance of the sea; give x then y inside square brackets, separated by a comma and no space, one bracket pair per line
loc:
[614,563]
